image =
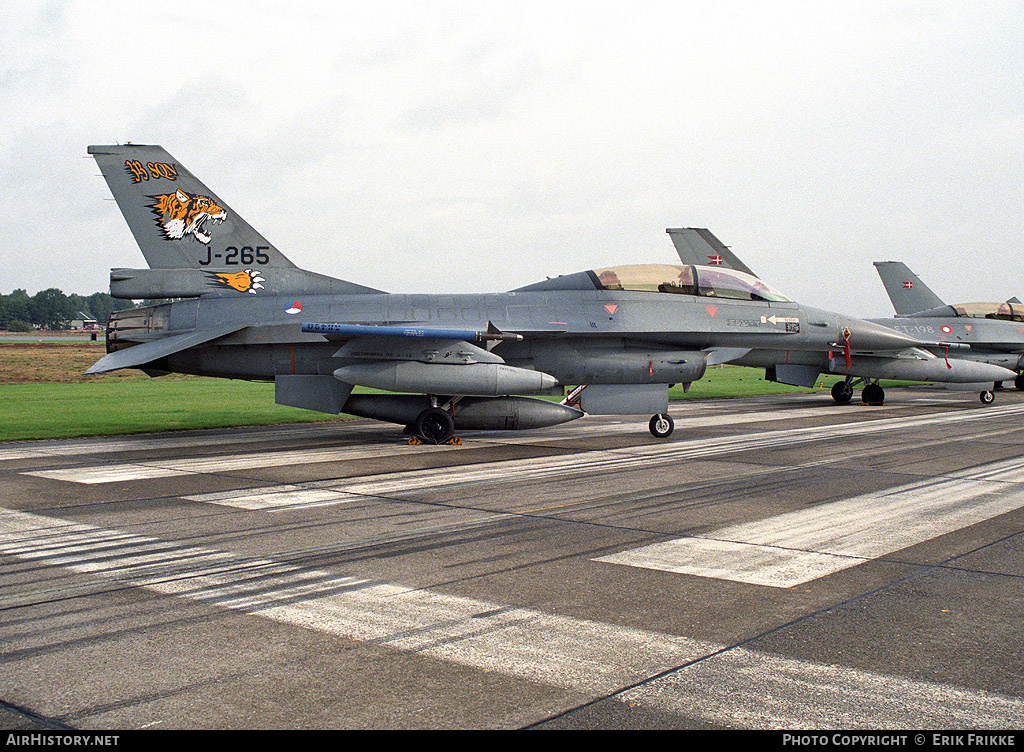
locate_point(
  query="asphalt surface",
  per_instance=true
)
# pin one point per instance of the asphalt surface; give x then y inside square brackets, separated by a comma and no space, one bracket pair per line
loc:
[777,563]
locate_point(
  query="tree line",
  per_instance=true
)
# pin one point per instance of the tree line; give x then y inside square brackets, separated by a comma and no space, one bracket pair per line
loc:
[52,309]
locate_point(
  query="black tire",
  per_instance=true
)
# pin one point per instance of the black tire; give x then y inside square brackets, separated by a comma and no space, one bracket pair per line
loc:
[842,393]
[987,398]
[662,426]
[873,394]
[1019,382]
[434,425]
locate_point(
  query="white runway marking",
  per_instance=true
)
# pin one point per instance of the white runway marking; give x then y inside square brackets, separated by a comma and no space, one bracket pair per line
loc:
[577,654]
[143,470]
[553,649]
[579,463]
[547,468]
[794,548]
[745,689]
[688,414]
[223,463]
[275,498]
[147,442]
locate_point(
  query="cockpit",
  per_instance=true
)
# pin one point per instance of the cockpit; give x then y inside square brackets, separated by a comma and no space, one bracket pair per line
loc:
[1002,311]
[686,280]
[998,311]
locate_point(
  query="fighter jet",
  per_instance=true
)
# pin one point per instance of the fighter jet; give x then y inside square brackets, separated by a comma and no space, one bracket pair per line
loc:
[241,309]
[994,331]
[931,358]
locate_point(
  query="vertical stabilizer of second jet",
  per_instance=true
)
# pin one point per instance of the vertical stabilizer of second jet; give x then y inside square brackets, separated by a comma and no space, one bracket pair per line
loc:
[905,289]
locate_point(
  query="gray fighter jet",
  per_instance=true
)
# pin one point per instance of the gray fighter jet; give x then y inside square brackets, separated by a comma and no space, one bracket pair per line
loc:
[621,335]
[995,331]
[932,362]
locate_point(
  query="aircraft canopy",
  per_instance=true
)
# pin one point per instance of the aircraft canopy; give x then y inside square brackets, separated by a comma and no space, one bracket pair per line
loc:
[1003,311]
[686,280]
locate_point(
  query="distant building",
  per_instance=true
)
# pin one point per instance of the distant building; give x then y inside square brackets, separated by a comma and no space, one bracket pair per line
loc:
[85,321]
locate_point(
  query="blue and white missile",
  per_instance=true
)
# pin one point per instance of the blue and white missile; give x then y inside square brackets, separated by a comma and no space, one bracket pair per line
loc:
[416,332]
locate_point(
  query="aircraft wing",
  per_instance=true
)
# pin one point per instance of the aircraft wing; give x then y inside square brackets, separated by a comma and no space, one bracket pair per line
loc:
[698,246]
[905,289]
[147,352]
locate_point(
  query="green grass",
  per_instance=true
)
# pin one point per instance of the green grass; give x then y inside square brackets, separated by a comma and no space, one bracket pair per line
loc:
[734,381]
[59,410]
[45,411]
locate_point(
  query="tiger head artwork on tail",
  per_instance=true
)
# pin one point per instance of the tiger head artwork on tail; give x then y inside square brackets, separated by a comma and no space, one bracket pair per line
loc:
[180,215]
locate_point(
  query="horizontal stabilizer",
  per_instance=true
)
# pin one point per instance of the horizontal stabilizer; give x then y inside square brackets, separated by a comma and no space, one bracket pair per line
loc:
[136,284]
[140,355]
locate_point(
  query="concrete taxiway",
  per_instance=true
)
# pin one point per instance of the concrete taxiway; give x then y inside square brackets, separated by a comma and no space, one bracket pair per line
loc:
[777,563]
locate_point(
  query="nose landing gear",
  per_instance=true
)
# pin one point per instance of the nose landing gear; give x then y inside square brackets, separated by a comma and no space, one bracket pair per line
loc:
[662,425]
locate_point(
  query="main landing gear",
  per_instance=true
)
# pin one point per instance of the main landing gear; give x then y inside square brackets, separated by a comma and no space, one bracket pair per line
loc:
[433,426]
[873,394]
[842,392]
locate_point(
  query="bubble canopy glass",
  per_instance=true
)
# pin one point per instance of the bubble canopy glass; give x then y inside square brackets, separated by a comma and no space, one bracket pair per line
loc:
[1003,311]
[686,280]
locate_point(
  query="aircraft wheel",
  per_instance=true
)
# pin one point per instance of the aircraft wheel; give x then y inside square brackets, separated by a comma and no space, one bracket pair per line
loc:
[987,398]
[434,425]
[873,394]
[842,392]
[1019,381]
[662,425]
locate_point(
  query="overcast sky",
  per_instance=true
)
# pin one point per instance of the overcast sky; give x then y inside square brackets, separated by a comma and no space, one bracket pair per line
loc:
[478,146]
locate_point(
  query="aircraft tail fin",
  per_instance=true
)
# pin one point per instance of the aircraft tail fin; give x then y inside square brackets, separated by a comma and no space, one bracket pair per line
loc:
[905,289]
[699,246]
[194,243]
[177,221]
